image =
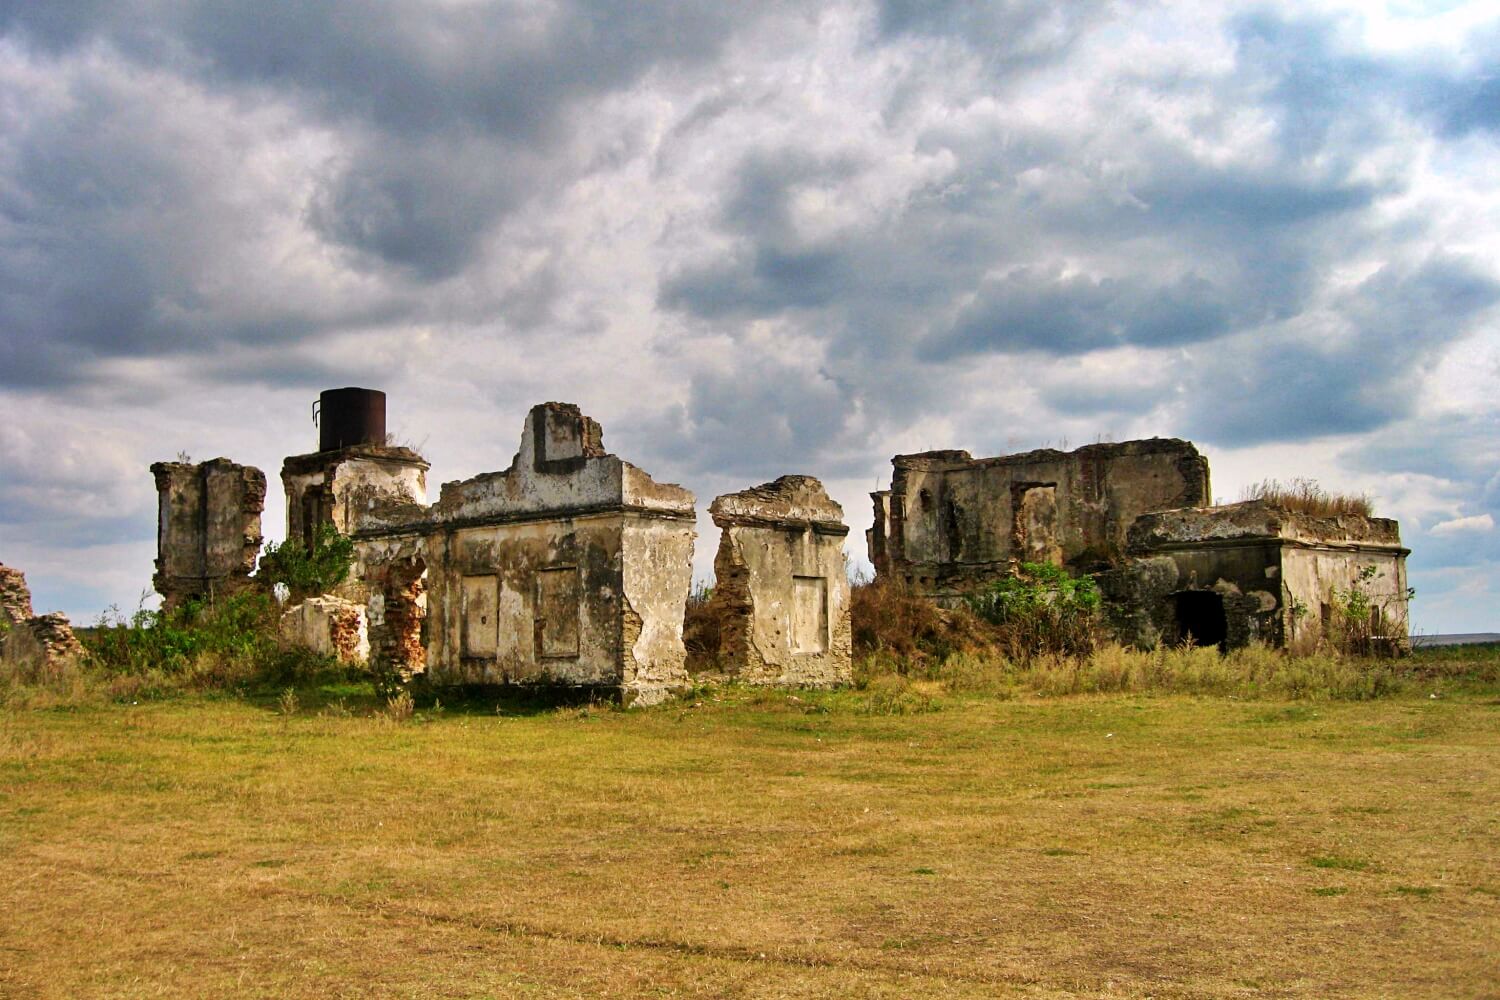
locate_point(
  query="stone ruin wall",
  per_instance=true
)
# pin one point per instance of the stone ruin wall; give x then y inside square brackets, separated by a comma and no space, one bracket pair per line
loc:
[208,528]
[1136,516]
[951,522]
[29,641]
[570,567]
[781,591]
[329,626]
[336,487]
[1271,571]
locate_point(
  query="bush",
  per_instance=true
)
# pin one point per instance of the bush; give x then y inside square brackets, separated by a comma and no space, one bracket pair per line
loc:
[307,572]
[889,621]
[230,642]
[1039,612]
[1359,624]
[702,629]
[240,628]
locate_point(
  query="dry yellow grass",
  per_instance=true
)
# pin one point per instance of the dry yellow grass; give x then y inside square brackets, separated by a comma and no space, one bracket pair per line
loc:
[756,845]
[1305,496]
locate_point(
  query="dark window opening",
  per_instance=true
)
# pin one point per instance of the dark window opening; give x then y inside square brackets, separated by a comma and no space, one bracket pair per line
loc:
[1200,618]
[951,517]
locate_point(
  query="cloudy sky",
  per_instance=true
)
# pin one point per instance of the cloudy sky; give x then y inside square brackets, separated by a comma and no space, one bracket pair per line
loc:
[751,239]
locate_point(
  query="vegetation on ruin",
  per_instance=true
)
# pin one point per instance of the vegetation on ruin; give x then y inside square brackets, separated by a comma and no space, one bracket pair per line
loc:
[702,628]
[756,843]
[303,571]
[1040,611]
[1305,496]
[229,644]
[1359,623]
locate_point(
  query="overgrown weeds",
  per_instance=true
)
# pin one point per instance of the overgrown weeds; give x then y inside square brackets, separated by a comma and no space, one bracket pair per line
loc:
[909,632]
[1041,611]
[702,629]
[1305,496]
[400,706]
[1250,672]
[1361,624]
[306,571]
[229,644]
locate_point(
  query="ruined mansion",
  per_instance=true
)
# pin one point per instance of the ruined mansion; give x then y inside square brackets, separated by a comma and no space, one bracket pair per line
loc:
[573,567]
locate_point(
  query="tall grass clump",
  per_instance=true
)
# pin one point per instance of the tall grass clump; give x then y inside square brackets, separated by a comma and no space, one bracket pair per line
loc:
[1305,496]
[1252,672]
[702,628]
[36,682]
[907,633]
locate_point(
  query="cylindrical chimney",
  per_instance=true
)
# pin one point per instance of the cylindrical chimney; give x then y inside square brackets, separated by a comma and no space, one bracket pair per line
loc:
[350,416]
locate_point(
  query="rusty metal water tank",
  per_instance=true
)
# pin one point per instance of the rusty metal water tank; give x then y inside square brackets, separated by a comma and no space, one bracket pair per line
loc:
[349,416]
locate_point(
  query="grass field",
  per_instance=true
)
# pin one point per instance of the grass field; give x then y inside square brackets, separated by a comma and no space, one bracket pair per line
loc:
[755,845]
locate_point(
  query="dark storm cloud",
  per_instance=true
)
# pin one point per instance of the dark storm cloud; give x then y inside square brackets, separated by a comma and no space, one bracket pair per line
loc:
[761,420]
[1460,446]
[1177,248]
[1043,310]
[882,222]
[118,208]
[1348,380]
[1314,72]
[502,67]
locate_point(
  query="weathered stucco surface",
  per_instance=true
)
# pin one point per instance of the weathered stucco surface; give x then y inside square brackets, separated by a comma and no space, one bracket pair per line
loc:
[208,528]
[1273,573]
[781,591]
[332,487]
[327,625]
[1135,515]
[951,522]
[571,567]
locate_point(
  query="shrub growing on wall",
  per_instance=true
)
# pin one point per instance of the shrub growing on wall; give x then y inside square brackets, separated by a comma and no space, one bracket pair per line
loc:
[1040,611]
[307,572]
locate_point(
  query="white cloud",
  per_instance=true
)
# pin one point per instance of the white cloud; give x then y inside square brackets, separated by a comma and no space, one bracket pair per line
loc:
[1461,525]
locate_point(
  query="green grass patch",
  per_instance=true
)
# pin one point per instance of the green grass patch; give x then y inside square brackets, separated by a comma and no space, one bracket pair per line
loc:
[1339,863]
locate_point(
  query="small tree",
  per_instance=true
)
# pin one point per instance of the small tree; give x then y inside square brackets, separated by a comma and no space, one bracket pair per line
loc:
[1358,622]
[307,572]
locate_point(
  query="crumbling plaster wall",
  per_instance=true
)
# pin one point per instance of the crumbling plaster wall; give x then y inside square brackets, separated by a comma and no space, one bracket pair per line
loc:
[951,522]
[571,567]
[781,590]
[334,487]
[1274,570]
[391,573]
[657,573]
[329,626]
[208,528]
[1139,595]
[1312,575]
